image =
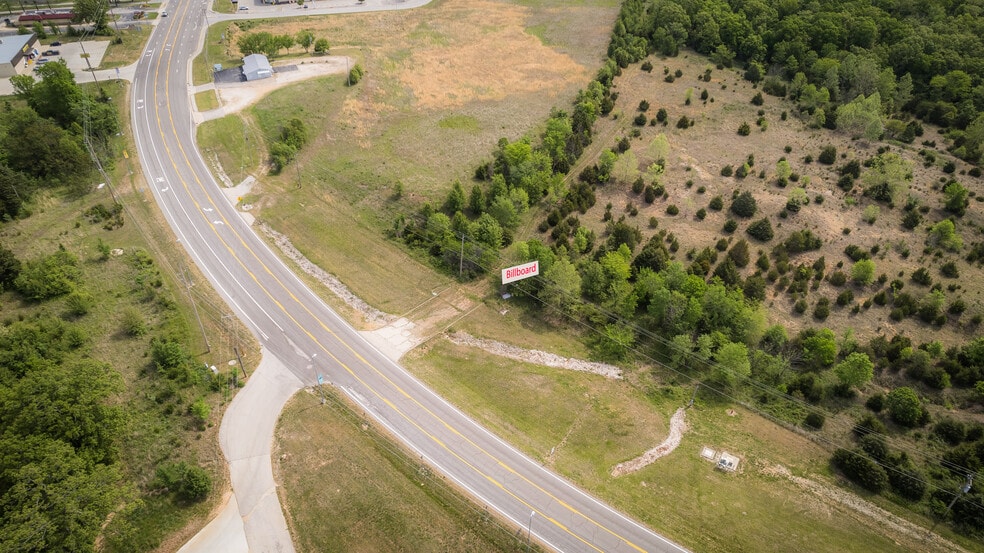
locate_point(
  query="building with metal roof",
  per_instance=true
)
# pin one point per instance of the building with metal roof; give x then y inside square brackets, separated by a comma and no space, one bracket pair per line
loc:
[256,66]
[13,50]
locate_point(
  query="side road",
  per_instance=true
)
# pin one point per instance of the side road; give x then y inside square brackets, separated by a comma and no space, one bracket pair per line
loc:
[251,520]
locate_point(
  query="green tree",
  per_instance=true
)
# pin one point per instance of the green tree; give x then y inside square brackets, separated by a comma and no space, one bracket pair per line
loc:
[455,201]
[504,211]
[956,198]
[36,146]
[616,342]
[321,46]
[856,370]
[355,74]
[732,364]
[820,349]
[10,267]
[863,272]
[255,43]
[92,11]
[562,285]
[56,96]
[904,406]
[862,117]
[486,230]
[304,39]
[761,230]
[744,205]
[53,499]
[888,179]
[944,235]
[48,277]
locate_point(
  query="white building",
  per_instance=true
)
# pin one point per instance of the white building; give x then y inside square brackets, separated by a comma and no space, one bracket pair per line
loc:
[256,66]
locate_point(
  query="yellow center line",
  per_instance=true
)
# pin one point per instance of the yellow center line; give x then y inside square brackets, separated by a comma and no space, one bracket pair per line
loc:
[303,307]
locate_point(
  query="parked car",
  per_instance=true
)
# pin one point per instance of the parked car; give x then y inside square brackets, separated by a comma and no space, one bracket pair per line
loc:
[42,61]
[163,14]
[56,43]
[50,53]
[243,8]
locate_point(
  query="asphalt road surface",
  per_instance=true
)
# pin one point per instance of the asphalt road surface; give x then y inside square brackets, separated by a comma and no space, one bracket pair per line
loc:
[294,325]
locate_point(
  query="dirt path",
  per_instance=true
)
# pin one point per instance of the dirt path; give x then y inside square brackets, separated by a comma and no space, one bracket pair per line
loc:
[677,427]
[536,357]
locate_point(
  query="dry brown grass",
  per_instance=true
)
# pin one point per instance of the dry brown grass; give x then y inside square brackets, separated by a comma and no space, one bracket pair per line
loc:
[699,153]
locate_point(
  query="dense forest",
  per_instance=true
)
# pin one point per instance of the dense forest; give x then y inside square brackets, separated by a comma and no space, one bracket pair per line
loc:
[70,423]
[868,69]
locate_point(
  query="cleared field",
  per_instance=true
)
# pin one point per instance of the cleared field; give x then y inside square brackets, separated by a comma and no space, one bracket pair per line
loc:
[582,425]
[358,492]
[445,75]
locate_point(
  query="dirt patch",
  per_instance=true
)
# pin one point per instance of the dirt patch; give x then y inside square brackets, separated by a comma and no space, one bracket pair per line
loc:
[458,68]
[236,97]
[869,514]
[534,356]
[678,425]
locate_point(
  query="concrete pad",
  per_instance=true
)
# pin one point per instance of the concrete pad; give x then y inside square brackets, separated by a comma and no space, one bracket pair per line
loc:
[225,534]
[246,439]
[394,339]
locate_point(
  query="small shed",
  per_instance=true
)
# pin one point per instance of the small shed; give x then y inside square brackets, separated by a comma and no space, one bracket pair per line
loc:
[256,66]
[13,49]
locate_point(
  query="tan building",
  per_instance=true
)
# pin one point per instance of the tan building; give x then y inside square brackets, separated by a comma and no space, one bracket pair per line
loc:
[15,49]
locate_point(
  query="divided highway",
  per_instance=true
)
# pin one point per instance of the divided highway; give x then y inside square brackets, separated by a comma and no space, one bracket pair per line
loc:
[294,325]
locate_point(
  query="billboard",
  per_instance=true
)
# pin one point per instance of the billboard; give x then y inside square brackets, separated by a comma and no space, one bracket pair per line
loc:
[519,272]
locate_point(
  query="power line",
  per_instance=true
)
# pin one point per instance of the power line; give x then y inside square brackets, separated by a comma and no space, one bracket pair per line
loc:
[710,364]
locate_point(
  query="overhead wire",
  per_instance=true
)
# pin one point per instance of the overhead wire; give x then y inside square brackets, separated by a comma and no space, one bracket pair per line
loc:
[712,364]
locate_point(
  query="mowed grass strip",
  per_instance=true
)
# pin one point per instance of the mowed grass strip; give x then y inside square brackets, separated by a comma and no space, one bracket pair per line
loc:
[346,488]
[206,100]
[592,423]
[127,52]
[230,143]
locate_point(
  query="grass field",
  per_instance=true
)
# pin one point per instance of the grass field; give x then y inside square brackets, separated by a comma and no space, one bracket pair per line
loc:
[359,151]
[206,100]
[358,492]
[457,76]
[591,424]
[127,52]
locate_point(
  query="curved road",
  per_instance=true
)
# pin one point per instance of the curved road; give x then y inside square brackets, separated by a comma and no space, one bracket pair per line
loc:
[306,336]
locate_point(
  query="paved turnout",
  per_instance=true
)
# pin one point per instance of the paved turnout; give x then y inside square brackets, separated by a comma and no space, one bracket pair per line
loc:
[308,338]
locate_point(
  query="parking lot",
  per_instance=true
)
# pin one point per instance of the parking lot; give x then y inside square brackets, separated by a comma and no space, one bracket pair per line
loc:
[71,52]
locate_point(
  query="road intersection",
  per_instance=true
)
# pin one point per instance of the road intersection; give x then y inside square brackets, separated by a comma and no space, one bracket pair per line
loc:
[303,338]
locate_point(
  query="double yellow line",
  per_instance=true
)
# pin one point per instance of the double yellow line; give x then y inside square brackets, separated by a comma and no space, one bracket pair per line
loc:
[180,19]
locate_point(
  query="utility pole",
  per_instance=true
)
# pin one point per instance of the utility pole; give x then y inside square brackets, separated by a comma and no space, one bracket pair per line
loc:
[529,531]
[963,489]
[461,255]
[693,397]
[87,62]
[194,305]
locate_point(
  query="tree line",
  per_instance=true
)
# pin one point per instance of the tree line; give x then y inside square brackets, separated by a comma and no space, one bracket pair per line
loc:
[703,319]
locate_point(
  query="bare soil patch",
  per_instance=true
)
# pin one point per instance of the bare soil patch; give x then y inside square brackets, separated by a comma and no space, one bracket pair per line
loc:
[678,425]
[238,96]
[501,60]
